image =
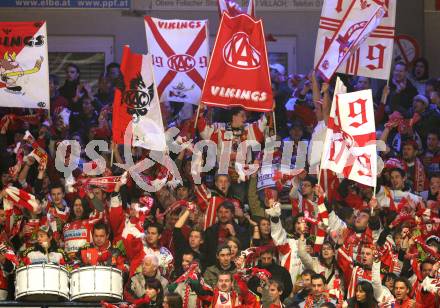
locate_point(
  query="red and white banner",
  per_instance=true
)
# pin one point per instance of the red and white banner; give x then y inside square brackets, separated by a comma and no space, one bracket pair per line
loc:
[238,73]
[180,53]
[136,110]
[347,23]
[24,66]
[233,9]
[350,143]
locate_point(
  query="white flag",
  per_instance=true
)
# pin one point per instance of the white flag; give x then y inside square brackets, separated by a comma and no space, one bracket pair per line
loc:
[180,53]
[353,26]
[136,110]
[350,145]
[24,68]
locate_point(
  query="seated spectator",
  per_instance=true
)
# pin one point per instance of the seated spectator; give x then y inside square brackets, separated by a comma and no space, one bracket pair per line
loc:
[46,249]
[101,252]
[149,271]
[146,293]
[172,300]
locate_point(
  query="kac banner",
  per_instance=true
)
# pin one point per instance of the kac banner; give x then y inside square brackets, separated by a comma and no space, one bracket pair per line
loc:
[24,68]
[180,52]
[342,21]
[136,109]
[238,73]
[350,143]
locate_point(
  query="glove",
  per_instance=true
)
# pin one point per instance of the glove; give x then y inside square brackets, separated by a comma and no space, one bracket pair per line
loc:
[274,211]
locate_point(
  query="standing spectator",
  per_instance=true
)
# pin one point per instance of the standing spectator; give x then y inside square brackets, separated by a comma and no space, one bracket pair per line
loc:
[57,102]
[416,175]
[432,193]
[428,118]
[318,295]
[364,297]
[276,288]
[402,290]
[279,273]
[281,93]
[71,86]
[193,243]
[224,264]
[420,75]
[431,156]
[226,227]
[325,264]
[287,245]
[401,90]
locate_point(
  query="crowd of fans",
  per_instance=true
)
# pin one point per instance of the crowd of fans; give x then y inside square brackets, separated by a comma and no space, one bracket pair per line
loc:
[264,240]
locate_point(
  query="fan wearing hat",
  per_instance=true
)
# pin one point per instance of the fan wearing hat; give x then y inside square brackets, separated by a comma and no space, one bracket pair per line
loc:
[45,250]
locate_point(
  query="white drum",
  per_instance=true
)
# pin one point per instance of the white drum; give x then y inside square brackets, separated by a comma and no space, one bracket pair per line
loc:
[96,283]
[42,282]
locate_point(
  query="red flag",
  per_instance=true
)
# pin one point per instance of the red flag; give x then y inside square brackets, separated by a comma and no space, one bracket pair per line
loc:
[238,73]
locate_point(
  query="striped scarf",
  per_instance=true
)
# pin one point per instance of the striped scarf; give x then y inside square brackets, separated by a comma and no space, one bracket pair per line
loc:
[20,198]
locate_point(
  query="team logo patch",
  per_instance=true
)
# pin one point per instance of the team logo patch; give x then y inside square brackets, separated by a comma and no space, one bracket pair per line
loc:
[138,98]
[181,63]
[239,52]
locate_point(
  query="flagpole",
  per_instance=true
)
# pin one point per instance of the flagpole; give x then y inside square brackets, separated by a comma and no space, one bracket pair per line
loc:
[111,158]
[274,122]
[197,115]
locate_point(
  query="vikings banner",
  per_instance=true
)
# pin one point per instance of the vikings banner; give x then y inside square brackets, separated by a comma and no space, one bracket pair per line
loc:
[355,38]
[238,73]
[24,68]
[180,53]
[350,143]
[233,9]
[136,110]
